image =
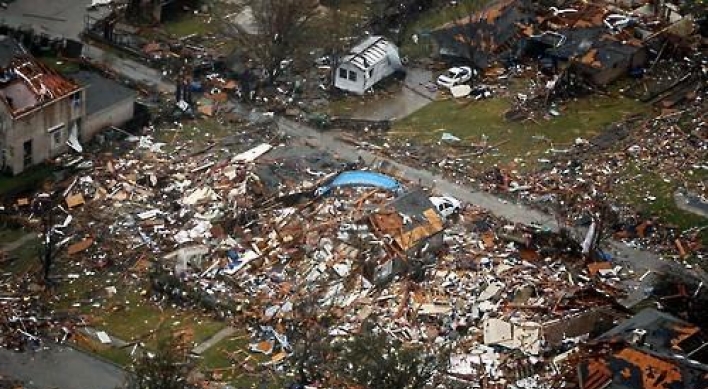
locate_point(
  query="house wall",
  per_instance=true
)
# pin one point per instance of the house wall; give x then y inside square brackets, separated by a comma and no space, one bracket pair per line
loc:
[60,114]
[380,71]
[365,80]
[115,115]
[348,85]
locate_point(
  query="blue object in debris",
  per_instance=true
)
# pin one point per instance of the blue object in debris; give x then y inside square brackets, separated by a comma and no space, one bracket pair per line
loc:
[234,259]
[233,255]
[195,86]
[357,178]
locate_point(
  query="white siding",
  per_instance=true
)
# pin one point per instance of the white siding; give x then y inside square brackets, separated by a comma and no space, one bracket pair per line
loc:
[355,80]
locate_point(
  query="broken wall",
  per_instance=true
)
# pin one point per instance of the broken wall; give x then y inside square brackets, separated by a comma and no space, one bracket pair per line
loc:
[34,127]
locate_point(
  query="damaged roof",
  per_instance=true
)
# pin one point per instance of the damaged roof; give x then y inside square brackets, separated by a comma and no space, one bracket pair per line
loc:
[637,369]
[27,83]
[369,52]
[410,220]
[652,350]
[593,47]
[664,333]
[482,36]
[9,49]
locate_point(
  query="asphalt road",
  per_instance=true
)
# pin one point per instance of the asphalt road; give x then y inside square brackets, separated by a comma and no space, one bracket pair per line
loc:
[60,367]
[634,259]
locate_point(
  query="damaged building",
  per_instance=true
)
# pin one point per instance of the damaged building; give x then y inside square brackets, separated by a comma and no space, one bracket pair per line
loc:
[367,63]
[594,41]
[485,37]
[42,111]
[46,113]
[108,103]
[652,350]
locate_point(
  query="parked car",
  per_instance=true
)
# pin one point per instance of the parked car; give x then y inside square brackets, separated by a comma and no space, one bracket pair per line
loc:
[455,76]
[446,205]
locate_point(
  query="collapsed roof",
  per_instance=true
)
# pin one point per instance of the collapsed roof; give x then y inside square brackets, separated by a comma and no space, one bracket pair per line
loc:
[26,84]
[652,350]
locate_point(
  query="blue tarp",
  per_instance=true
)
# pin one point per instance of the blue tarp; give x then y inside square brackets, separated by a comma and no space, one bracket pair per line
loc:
[361,178]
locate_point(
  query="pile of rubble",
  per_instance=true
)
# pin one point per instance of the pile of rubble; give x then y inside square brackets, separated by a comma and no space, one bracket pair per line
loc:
[258,232]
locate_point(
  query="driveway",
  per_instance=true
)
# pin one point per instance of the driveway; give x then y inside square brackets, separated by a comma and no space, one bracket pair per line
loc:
[60,18]
[66,19]
[60,367]
[413,96]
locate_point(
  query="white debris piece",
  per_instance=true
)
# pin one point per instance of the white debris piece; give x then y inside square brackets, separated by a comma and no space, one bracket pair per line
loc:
[252,154]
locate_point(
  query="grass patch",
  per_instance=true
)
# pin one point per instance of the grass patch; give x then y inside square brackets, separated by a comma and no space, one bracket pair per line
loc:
[11,235]
[476,120]
[119,356]
[218,356]
[226,360]
[60,65]
[194,134]
[652,195]
[131,319]
[348,105]
[30,179]
[190,24]
[24,258]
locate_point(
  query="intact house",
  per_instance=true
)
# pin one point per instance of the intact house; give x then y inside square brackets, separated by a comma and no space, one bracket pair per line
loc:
[367,63]
[43,114]
[40,110]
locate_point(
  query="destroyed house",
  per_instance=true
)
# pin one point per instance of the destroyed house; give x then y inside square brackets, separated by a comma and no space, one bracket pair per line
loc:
[487,36]
[593,53]
[412,227]
[41,110]
[651,350]
[367,63]
[411,221]
[598,42]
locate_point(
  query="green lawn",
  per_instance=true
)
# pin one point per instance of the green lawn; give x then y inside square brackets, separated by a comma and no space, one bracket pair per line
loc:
[528,140]
[119,356]
[650,193]
[30,179]
[189,24]
[195,135]
[11,235]
[60,65]
[226,360]
[24,258]
[132,318]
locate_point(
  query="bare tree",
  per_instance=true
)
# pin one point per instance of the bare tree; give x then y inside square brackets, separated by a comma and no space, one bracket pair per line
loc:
[165,368]
[375,360]
[466,15]
[391,16]
[280,27]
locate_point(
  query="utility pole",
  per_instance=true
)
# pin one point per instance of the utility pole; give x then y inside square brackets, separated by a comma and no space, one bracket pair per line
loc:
[44,207]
